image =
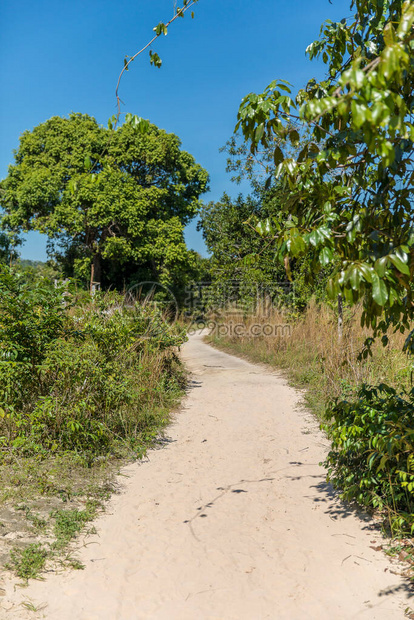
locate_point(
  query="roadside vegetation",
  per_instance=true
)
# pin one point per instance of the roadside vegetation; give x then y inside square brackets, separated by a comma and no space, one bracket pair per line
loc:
[307,346]
[89,372]
[86,384]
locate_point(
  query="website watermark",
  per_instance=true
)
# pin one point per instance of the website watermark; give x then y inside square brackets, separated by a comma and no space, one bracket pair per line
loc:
[232,329]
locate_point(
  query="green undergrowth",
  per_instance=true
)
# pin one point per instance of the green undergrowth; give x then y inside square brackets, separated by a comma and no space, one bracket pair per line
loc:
[372,452]
[28,563]
[58,530]
[88,376]
[86,385]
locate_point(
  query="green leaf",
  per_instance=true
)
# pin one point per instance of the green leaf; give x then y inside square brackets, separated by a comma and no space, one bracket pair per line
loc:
[160,29]
[359,114]
[294,136]
[379,291]
[366,271]
[296,245]
[332,288]
[389,34]
[278,155]
[407,20]
[354,276]
[402,253]
[258,134]
[325,256]
[155,59]
[381,266]
[264,227]
[399,264]
[268,182]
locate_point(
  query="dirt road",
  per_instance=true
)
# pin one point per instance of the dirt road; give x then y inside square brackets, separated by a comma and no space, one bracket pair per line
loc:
[231,520]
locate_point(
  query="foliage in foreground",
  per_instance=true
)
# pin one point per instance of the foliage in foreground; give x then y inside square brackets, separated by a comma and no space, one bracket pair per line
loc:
[95,378]
[348,193]
[372,454]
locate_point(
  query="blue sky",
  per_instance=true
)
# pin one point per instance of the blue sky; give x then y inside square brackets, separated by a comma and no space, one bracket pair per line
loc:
[58,57]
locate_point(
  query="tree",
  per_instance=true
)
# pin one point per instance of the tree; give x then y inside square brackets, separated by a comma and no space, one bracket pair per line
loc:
[237,252]
[9,241]
[230,228]
[349,190]
[106,198]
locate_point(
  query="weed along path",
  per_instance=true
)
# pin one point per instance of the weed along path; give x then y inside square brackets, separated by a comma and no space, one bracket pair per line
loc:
[230,520]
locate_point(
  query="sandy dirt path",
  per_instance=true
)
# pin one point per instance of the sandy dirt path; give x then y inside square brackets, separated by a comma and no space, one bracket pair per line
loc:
[231,520]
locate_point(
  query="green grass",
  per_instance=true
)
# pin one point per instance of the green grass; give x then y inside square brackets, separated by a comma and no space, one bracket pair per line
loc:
[61,528]
[29,562]
[69,523]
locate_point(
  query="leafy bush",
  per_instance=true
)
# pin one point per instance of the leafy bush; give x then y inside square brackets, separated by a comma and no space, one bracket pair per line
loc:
[372,455]
[89,377]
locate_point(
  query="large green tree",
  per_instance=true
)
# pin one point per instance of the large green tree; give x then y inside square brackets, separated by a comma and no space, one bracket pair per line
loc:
[349,191]
[111,201]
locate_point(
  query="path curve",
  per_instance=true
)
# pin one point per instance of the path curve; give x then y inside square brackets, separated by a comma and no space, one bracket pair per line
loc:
[232,520]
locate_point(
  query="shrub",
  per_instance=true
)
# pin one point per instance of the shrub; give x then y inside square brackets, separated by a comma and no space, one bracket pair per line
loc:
[372,454]
[89,377]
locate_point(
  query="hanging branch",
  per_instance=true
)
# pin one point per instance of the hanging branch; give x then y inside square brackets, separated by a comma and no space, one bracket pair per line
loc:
[155,60]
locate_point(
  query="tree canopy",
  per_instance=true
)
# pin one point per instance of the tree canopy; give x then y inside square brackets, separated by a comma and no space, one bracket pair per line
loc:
[349,190]
[111,200]
[237,252]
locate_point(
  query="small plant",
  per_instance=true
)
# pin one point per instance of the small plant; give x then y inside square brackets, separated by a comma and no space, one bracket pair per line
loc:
[29,562]
[71,562]
[32,607]
[69,523]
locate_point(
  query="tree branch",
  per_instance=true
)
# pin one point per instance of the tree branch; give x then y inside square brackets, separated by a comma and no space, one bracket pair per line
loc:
[180,13]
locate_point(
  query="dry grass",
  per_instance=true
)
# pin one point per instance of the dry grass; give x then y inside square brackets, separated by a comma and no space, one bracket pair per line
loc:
[311,352]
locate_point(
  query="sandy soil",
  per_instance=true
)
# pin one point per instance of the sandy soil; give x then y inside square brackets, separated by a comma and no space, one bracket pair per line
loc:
[231,520]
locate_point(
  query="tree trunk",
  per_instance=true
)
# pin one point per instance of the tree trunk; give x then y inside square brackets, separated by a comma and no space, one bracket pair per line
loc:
[154,269]
[340,317]
[95,272]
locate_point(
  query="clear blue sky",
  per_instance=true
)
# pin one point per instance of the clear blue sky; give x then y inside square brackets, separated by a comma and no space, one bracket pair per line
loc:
[58,57]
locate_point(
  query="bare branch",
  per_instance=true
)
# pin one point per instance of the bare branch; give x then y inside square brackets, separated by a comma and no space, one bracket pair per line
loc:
[180,13]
